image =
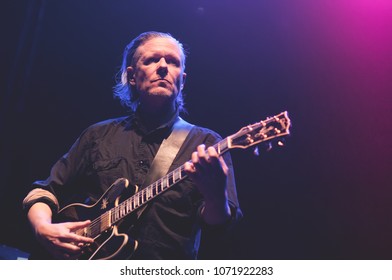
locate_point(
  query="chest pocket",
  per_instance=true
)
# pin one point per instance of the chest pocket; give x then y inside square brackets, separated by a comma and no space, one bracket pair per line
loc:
[106,171]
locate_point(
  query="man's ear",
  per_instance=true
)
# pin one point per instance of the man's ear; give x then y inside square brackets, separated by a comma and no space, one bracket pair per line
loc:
[183,80]
[131,76]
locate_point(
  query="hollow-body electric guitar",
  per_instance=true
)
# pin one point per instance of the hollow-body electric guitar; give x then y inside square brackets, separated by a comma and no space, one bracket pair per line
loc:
[110,210]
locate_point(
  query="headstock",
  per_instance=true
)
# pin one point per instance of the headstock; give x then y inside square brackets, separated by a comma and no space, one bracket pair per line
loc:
[264,131]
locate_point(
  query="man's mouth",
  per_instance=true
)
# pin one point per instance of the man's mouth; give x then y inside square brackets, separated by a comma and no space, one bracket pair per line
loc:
[161,80]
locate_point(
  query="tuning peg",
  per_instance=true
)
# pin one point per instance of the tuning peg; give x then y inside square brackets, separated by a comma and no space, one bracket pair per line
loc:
[281,143]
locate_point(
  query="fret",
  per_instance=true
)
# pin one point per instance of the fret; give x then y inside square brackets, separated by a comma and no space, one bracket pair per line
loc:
[183,173]
[132,200]
[122,210]
[151,192]
[113,214]
[156,189]
[128,205]
[170,179]
[117,214]
[108,219]
[180,172]
[148,194]
[140,198]
[144,194]
[176,175]
[116,217]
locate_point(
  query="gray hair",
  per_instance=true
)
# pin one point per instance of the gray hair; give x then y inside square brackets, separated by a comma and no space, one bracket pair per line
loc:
[123,90]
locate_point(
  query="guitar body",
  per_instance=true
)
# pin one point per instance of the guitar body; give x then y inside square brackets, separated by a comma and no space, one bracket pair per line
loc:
[109,243]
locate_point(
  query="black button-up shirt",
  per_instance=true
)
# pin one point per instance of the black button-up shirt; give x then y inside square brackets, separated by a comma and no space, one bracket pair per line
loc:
[171,226]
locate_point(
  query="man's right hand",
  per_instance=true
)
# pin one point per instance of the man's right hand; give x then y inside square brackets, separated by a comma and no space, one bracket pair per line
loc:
[60,240]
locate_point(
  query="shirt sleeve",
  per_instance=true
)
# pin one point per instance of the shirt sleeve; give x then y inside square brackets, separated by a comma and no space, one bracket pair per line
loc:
[236,213]
[217,240]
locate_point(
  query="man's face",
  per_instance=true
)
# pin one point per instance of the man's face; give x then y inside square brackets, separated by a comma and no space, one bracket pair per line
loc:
[158,70]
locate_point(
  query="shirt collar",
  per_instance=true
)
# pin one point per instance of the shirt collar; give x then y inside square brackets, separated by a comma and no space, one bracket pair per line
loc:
[137,122]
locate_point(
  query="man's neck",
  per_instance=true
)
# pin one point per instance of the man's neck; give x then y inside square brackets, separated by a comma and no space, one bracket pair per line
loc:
[155,117]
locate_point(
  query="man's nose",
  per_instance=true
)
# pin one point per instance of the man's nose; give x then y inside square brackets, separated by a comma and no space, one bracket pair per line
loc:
[162,68]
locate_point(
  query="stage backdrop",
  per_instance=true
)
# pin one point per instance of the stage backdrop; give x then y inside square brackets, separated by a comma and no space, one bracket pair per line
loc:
[325,195]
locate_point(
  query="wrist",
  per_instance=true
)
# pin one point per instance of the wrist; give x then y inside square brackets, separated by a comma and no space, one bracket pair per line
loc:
[40,214]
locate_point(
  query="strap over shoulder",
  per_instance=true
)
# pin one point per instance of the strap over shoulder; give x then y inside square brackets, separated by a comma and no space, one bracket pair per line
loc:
[168,151]
[166,154]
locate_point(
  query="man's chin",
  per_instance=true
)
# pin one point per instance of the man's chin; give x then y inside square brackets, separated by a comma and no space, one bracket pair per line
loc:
[162,92]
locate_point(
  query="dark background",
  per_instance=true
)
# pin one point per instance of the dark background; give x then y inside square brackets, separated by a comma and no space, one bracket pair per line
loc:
[325,195]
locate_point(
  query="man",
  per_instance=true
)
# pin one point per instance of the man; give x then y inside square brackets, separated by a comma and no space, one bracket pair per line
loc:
[170,226]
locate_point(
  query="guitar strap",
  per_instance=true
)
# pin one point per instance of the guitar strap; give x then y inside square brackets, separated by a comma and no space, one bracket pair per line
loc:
[166,154]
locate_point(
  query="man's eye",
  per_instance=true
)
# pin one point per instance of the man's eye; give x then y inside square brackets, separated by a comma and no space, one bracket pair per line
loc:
[173,61]
[149,61]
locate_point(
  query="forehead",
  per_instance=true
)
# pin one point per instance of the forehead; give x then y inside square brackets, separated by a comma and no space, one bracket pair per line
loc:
[158,45]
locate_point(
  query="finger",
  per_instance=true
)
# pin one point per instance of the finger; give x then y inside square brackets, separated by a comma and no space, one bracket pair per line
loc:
[189,167]
[77,238]
[202,154]
[212,152]
[66,247]
[213,157]
[78,225]
[195,158]
[217,160]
